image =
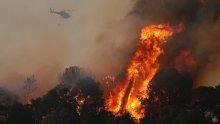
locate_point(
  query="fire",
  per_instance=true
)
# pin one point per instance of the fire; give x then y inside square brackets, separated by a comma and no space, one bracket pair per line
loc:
[127,96]
[185,62]
[80,101]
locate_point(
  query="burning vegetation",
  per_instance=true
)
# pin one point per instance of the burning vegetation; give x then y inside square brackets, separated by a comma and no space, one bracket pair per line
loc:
[168,99]
[140,71]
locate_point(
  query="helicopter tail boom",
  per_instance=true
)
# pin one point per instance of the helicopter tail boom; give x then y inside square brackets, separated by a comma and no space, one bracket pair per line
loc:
[51,10]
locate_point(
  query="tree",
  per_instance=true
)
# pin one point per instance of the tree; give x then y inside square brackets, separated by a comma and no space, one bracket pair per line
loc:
[6,97]
[125,119]
[56,107]
[20,114]
[70,75]
[168,87]
[77,99]
[207,100]
[29,87]
[89,91]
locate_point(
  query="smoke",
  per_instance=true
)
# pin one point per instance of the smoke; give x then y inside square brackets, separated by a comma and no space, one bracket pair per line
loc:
[111,35]
[201,20]
[100,35]
[209,39]
[33,43]
[6,97]
[42,57]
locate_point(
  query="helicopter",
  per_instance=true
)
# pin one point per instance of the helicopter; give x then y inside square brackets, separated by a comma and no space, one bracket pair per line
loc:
[63,14]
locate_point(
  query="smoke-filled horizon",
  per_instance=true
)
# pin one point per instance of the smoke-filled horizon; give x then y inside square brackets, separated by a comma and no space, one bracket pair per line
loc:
[100,35]
[34,41]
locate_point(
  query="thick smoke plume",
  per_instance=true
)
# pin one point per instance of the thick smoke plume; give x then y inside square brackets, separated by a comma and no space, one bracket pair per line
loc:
[200,37]
[201,20]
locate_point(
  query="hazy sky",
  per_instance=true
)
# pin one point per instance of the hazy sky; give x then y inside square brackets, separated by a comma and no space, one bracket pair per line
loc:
[32,42]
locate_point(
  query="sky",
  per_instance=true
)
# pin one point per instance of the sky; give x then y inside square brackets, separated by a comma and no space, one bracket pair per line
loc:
[96,36]
[32,42]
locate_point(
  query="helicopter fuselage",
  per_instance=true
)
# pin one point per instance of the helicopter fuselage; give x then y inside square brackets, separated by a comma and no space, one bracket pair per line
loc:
[63,14]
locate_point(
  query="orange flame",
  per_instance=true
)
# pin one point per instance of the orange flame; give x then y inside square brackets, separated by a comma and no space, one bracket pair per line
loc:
[80,102]
[126,97]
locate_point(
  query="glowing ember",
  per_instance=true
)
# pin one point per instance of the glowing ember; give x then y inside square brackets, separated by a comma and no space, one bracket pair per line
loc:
[126,97]
[80,102]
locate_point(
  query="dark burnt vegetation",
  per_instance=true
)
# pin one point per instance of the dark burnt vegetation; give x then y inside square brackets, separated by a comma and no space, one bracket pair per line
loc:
[78,99]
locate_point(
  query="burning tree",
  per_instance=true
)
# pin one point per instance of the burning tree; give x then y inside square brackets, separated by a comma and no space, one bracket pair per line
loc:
[77,99]
[126,98]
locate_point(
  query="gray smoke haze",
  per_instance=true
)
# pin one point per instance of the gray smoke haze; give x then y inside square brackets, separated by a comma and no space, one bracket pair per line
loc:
[100,35]
[32,42]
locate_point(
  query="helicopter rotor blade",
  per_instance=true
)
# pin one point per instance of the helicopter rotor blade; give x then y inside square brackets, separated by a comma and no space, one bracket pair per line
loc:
[69,10]
[57,9]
